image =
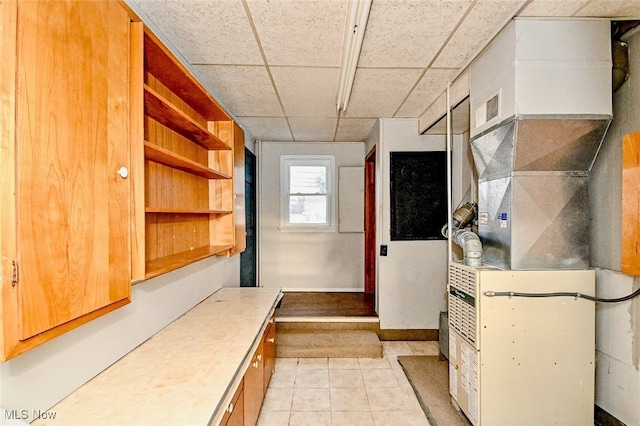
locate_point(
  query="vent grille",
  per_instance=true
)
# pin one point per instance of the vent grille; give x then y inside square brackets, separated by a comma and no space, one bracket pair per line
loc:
[462,296]
[462,279]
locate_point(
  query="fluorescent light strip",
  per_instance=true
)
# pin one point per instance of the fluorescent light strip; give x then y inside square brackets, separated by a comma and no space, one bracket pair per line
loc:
[356,26]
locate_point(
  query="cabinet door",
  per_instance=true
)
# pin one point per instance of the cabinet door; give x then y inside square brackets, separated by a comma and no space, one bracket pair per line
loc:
[234,414]
[72,138]
[237,415]
[254,387]
[239,208]
[631,204]
[269,344]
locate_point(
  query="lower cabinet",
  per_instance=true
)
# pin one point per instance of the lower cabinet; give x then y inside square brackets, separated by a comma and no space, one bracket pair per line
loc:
[269,349]
[254,387]
[234,413]
[247,401]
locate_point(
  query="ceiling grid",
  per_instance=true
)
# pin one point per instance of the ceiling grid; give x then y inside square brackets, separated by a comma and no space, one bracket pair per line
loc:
[275,64]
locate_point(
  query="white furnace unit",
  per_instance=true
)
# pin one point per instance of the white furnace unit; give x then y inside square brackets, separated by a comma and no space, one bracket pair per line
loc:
[521,361]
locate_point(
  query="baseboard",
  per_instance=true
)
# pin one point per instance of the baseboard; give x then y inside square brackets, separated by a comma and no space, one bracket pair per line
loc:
[602,418]
[409,334]
[323,290]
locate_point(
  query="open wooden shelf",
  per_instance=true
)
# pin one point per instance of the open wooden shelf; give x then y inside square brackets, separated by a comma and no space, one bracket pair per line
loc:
[185,211]
[169,263]
[165,113]
[161,63]
[160,155]
[189,215]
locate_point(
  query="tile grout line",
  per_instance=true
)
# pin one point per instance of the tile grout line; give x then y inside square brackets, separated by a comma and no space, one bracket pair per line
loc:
[388,356]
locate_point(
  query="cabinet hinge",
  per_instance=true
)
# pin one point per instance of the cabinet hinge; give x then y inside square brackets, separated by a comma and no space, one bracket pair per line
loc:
[15,274]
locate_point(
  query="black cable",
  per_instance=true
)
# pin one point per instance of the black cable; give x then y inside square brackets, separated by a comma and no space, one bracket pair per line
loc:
[562,294]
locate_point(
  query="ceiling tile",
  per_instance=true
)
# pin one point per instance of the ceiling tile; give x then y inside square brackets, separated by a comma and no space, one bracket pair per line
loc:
[378,92]
[267,128]
[611,8]
[430,86]
[307,129]
[244,90]
[300,33]
[477,27]
[407,34]
[206,31]
[354,129]
[307,92]
[541,8]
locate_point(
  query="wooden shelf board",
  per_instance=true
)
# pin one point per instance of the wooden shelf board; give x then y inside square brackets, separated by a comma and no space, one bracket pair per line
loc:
[164,112]
[185,211]
[161,155]
[165,67]
[166,264]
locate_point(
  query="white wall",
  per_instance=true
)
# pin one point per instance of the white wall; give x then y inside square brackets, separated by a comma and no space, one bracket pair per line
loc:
[305,261]
[41,377]
[617,325]
[411,279]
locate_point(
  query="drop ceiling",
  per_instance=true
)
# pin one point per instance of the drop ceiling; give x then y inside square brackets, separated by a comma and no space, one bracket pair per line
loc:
[275,64]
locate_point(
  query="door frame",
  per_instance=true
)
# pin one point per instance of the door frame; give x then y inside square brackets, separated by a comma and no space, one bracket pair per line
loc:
[370,222]
[251,255]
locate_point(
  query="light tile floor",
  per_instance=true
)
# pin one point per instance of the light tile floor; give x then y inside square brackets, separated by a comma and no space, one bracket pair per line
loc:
[345,391]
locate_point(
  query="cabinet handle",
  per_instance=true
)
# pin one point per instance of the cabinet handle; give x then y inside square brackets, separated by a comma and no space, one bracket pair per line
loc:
[255,364]
[230,408]
[259,357]
[123,172]
[271,340]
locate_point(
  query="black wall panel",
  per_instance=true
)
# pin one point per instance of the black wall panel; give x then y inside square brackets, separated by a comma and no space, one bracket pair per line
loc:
[418,195]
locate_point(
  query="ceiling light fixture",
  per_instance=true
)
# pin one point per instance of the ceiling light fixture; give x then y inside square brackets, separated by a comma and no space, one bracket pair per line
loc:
[356,25]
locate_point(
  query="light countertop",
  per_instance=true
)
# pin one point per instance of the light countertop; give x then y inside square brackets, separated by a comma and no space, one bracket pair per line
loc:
[183,375]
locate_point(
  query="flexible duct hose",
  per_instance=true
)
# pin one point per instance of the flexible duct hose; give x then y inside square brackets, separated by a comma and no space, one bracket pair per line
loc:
[469,241]
[471,246]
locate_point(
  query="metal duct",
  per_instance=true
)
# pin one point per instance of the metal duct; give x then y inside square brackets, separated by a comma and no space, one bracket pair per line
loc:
[539,111]
[533,191]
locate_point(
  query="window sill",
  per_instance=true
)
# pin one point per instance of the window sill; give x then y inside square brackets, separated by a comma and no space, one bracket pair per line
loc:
[307,228]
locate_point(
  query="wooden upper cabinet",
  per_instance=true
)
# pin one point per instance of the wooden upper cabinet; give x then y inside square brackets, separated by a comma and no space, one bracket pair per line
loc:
[631,204]
[68,134]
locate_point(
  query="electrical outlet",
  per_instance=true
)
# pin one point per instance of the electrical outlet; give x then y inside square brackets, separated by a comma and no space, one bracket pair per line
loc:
[383,250]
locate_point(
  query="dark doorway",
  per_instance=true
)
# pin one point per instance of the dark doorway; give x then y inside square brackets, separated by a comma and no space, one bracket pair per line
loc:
[248,256]
[370,223]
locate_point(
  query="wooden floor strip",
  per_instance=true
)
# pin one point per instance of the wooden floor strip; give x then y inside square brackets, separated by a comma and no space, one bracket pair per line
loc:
[327,304]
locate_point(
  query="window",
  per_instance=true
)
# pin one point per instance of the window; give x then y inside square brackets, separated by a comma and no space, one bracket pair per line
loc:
[307,192]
